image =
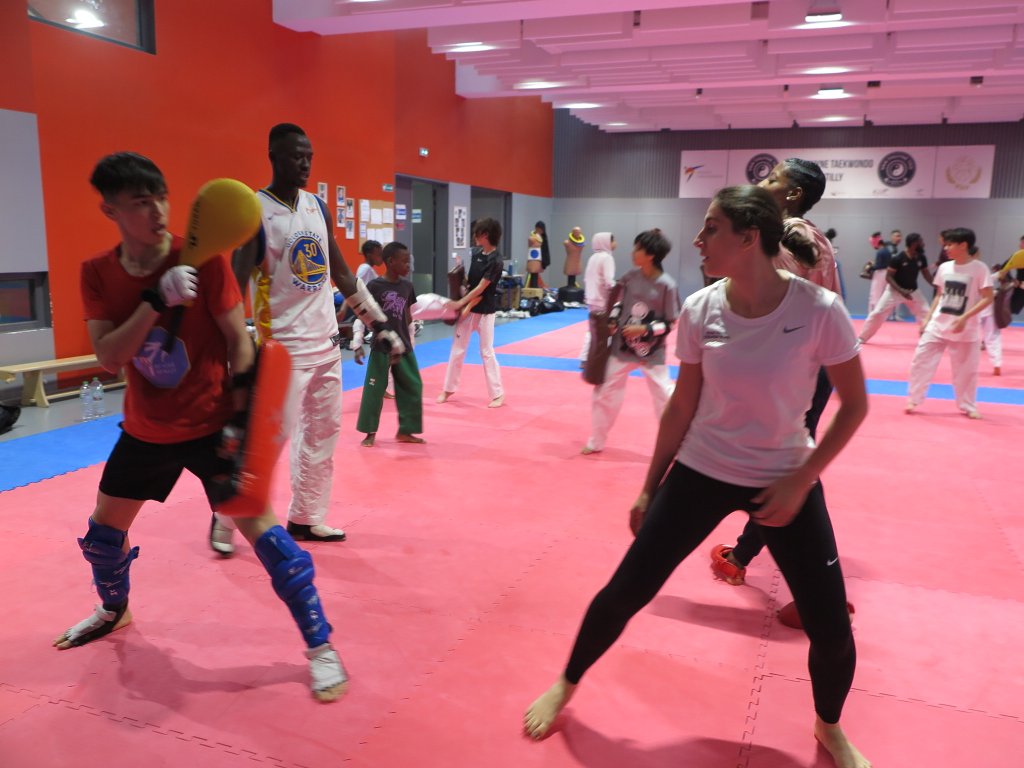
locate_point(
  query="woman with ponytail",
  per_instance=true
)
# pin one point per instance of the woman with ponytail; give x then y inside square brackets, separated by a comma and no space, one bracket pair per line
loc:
[733,438]
[797,185]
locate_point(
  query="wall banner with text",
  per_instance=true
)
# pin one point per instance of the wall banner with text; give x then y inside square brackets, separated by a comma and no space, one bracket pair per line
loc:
[852,172]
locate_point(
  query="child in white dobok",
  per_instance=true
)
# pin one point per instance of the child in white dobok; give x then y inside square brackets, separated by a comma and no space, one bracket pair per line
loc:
[963,289]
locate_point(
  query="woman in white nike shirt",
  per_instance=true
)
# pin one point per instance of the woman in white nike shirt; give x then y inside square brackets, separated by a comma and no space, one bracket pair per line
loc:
[733,437]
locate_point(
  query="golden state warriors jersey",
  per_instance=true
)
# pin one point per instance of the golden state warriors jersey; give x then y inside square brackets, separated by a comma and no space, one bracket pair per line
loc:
[293,301]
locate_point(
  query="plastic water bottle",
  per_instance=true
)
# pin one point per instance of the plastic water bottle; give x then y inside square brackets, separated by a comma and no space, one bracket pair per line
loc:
[99,410]
[85,398]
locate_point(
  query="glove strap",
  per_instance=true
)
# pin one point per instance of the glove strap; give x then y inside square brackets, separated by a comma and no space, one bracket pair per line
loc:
[152,297]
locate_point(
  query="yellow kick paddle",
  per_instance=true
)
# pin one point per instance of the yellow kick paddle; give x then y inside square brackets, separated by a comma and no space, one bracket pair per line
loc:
[1015,262]
[225,214]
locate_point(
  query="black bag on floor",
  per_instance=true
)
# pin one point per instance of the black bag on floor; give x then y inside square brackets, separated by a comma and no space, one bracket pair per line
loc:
[529,305]
[549,304]
[8,415]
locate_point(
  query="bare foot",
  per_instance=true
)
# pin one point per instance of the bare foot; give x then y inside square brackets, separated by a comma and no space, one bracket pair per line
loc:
[369,440]
[542,713]
[101,623]
[497,402]
[910,408]
[443,397]
[587,450]
[832,738]
[389,395]
[331,694]
[401,437]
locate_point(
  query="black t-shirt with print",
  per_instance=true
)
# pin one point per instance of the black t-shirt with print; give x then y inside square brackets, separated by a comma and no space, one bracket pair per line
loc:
[485,267]
[395,299]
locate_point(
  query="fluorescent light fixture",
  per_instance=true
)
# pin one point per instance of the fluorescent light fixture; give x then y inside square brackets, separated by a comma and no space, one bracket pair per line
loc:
[834,119]
[85,20]
[831,92]
[536,85]
[827,71]
[581,105]
[471,48]
[823,11]
[364,1]
[616,125]
[824,24]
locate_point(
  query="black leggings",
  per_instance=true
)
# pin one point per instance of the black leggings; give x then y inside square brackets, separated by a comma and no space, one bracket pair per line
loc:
[685,510]
[750,543]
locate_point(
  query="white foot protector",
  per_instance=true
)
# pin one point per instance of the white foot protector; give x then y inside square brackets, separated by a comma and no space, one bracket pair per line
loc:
[325,531]
[100,623]
[328,677]
[221,536]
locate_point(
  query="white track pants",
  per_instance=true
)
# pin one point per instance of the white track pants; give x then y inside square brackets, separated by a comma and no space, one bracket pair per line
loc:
[484,326]
[878,284]
[606,402]
[963,359]
[993,340]
[312,420]
[889,300]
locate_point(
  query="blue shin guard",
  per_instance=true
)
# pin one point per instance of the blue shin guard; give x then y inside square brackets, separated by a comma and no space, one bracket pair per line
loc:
[291,571]
[102,547]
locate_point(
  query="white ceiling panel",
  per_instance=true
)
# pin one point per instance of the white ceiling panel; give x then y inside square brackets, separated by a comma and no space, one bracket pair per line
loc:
[697,64]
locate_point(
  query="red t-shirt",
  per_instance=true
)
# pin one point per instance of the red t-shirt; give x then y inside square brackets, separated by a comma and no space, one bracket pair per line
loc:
[183,394]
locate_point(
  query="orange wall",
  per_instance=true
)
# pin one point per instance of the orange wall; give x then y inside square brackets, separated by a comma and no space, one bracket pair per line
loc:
[201,108]
[502,144]
[16,83]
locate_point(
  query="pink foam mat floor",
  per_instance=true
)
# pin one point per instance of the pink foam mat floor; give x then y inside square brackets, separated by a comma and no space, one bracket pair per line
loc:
[469,564]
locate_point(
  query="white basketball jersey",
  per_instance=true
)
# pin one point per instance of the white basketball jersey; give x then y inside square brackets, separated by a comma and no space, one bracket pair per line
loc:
[293,300]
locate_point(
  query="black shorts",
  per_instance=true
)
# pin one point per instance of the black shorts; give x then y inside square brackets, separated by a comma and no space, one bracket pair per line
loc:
[148,471]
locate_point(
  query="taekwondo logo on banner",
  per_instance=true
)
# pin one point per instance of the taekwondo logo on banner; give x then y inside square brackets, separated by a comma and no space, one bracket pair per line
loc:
[852,172]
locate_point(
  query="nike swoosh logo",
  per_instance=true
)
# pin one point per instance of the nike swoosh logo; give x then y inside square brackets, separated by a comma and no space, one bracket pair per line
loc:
[833,561]
[790,330]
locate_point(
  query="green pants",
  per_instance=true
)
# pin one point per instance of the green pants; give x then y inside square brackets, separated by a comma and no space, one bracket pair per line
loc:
[408,393]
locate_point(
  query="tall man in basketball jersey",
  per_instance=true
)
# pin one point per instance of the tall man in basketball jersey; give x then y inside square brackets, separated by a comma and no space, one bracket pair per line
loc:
[292,263]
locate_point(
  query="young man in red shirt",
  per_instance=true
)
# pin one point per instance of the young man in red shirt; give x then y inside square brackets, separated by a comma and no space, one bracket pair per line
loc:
[176,405]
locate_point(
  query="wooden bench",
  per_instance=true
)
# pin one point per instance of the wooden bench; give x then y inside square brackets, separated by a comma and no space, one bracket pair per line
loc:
[33,393]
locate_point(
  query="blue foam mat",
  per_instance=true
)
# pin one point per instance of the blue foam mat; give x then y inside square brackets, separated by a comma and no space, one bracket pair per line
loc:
[37,457]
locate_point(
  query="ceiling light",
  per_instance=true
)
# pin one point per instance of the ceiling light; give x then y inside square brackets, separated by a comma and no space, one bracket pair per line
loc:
[535,85]
[364,1]
[85,20]
[471,48]
[831,92]
[616,125]
[827,71]
[581,105]
[821,11]
[825,24]
[833,119]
